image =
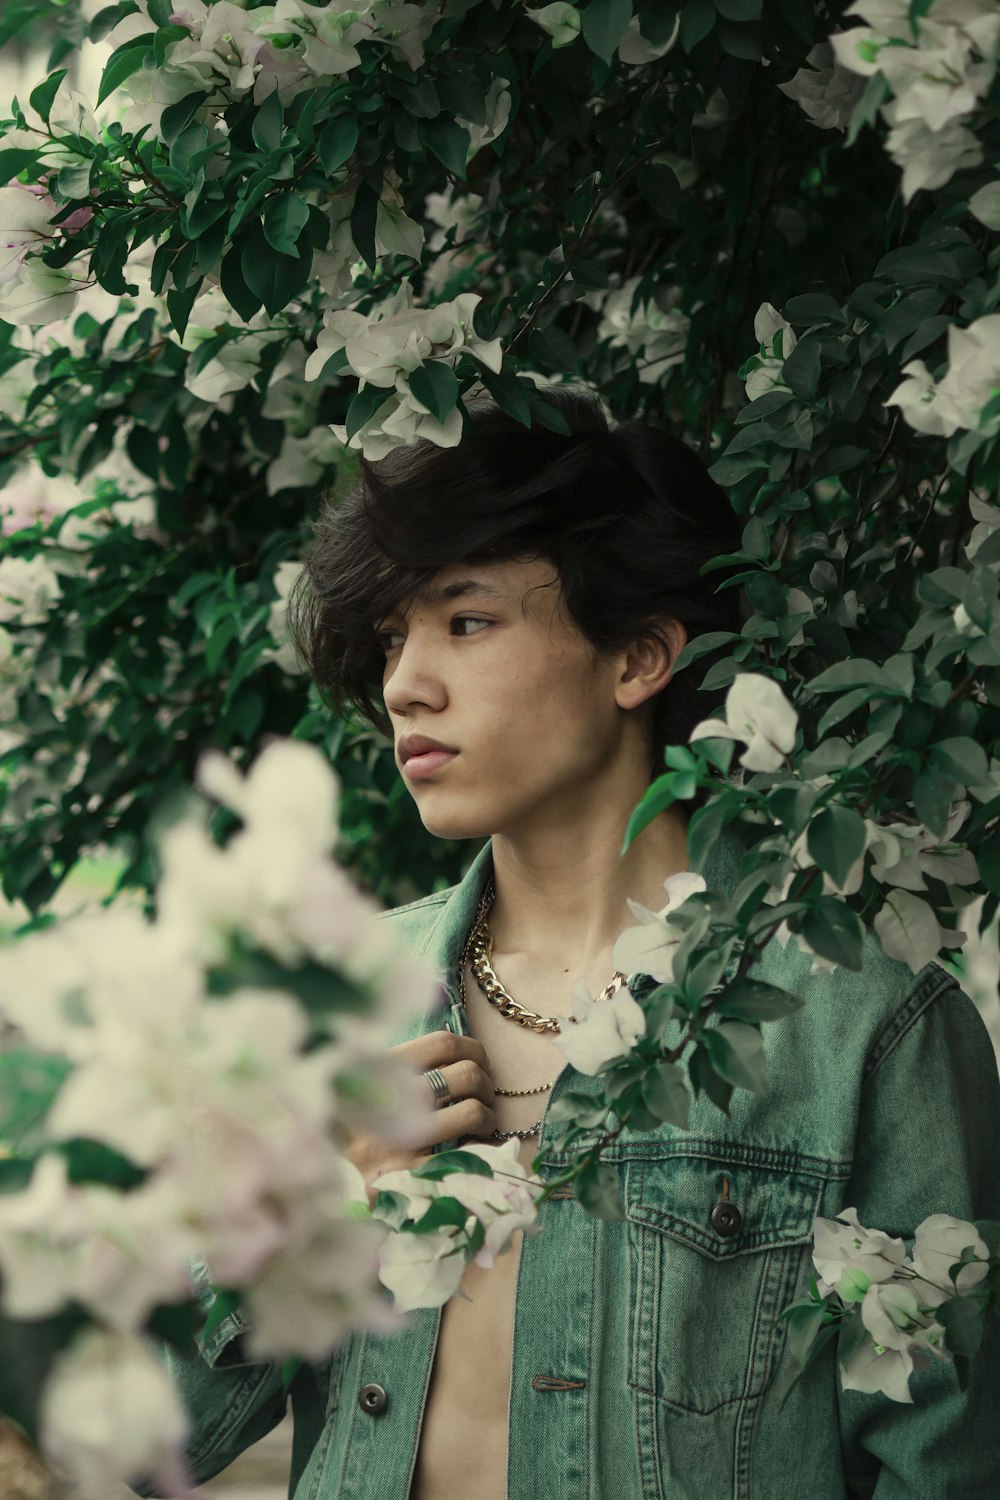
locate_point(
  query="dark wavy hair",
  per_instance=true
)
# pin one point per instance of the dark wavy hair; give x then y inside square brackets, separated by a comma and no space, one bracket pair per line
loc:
[627,514]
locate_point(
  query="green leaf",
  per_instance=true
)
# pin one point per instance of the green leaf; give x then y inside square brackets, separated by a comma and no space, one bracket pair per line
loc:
[836,840]
[285,217]
[176,117]
[833,930]
[124,61]
[435,386]
[597,1190]
[363,217]
[932,799]
[962,759]
[509,394]
[273,277]
[754,1000]
[697,20]
[234,286]
[988,860]
[604,23]
[736,1052]
[268,123]
[962,1318]
[363,406]
[665,1094]
[337,143]
[660,795]
[41,97]
[444,1212]
[448,141]
[444,1162]
[29,1083]
[660,188]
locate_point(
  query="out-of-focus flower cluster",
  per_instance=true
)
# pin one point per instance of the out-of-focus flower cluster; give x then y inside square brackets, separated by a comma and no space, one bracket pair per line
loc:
[227,1091]
[939,62]
[958,399]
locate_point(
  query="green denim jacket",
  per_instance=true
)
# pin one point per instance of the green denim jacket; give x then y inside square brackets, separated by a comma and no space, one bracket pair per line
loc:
[646,1350]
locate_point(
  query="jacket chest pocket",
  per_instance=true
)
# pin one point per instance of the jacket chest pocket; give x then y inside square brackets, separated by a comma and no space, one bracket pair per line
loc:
[717,1247]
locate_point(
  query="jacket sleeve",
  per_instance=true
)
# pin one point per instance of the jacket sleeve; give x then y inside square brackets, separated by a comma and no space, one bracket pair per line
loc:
[231,1400]
[927,1143]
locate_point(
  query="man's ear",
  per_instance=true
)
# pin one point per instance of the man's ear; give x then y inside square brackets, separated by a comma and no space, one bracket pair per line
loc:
[647,665]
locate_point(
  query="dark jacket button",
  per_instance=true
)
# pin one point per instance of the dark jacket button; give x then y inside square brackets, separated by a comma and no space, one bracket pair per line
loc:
[372,1399]
[726,1218]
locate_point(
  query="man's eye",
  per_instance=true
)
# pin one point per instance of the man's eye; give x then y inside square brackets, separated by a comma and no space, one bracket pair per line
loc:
[385,639]
[460,620]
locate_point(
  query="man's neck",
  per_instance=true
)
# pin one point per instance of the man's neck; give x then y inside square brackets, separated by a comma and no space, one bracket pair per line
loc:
[561,893]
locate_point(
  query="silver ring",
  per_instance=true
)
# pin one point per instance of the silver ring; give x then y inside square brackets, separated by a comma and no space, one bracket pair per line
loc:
[438,1082]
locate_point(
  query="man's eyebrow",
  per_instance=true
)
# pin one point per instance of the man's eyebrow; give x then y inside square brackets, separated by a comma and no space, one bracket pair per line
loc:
[436,593]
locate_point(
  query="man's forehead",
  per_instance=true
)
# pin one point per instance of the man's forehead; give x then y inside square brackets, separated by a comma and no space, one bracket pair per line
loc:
[496,581]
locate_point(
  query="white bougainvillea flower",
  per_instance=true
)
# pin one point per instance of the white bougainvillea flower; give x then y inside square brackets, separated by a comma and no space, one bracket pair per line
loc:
[497,105]
[290,788]
[824,89]
[29,586]
[561,21]
[938,1244]
[929,158]
[422,1270]
[110,1413]
[776,340]
[886,1372]
[650,947]
[656,338]
[599,1032]
[503,1203]
[984,205]
[846,1254]
[758,713]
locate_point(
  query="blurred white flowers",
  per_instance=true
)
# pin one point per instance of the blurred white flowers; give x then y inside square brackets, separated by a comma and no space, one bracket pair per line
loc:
[758,713]
[110,1413]
[939,61]
[970,381]
[825,89]
[228,1105]
[656,338]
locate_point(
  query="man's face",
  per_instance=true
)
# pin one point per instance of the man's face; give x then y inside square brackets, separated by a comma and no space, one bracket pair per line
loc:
[514,693]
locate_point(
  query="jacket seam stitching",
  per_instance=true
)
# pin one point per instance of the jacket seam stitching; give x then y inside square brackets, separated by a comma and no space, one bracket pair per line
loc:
[905,1018]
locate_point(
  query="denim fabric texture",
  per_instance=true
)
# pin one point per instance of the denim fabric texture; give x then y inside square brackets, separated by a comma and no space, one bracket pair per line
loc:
[646,1350]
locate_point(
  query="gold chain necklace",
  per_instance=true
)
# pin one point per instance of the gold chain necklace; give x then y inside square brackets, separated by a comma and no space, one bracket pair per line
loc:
[478,952]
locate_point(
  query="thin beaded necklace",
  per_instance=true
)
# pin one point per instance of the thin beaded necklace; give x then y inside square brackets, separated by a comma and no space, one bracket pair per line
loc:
[478,952]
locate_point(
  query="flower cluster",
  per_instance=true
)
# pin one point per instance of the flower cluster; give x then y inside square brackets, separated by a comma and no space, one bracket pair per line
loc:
[939,62]
[958,399]
[227,1100]
[899,1298]
[285,48]
[426,1268]
[762,371]
[386,348]
[655,337]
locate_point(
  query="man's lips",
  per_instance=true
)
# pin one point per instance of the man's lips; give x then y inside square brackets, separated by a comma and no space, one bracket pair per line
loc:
[417,766]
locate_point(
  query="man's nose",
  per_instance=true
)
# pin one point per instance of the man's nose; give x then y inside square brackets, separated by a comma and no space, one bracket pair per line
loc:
[414,678]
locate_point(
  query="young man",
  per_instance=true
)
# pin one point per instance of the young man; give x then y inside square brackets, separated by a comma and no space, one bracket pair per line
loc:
[518,604]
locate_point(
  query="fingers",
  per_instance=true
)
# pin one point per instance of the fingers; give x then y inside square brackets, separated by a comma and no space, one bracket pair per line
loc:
[462,1062]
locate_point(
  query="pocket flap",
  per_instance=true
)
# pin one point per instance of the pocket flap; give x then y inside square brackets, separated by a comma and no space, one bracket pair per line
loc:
[682,1195]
